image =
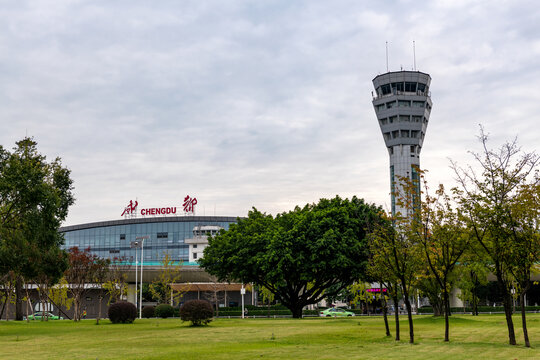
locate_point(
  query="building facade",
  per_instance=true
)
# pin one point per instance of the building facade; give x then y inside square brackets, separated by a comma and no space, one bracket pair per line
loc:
[402,103]
[166,234]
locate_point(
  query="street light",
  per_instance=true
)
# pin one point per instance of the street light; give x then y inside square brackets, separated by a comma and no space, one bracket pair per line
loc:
[136,245]
[139,244]
[243,292]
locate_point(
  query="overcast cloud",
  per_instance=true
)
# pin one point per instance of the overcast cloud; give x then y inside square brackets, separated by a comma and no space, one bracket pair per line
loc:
[255,103]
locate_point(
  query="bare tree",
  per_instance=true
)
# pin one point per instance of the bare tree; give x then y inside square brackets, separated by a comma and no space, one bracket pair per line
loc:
[215,294]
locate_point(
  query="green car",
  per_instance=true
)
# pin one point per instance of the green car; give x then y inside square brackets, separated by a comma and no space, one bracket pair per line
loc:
[335,312]
[38,315]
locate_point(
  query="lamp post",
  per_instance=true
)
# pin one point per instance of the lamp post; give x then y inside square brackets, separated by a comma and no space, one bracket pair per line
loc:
[136,245]
[243,292]
[139,244]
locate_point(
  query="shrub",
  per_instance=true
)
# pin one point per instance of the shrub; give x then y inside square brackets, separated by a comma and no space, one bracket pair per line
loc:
[148,312]
[164,311]
[122,312]
[199,312]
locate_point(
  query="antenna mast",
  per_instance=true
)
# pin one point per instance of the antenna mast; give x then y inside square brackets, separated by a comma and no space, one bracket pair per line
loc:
[414,53]
[387,56]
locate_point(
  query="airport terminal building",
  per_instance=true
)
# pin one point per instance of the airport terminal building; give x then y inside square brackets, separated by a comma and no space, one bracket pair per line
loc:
[151,233]
[182,237]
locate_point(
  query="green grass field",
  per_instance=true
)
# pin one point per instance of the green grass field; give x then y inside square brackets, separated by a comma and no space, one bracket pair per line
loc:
[482,337]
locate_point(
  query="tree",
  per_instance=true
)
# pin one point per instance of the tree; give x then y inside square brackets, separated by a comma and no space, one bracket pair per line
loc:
[116,280]
[101,274]
[81,275]
[471,275]
[492,201]
[169,274]
[59,296]
[395,261]
[268,297]
[215,294]
[34,199]
[297,255]
[53,262]
[526,243]
[439,228]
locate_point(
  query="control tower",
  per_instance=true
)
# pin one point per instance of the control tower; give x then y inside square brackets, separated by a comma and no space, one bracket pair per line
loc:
[402,104]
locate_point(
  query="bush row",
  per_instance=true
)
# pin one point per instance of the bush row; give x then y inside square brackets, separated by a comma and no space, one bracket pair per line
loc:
[482,309]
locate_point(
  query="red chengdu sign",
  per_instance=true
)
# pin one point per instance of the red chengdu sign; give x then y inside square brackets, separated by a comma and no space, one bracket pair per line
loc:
[188,208]
[158,211]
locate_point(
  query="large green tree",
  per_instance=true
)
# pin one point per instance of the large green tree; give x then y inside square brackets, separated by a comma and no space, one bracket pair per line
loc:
[34,199]
[300,255]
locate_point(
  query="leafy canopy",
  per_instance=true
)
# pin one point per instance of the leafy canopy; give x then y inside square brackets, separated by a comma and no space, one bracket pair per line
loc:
[298,255]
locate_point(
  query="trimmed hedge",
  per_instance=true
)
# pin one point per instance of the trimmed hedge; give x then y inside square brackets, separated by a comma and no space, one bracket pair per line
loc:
[122,312]
[198,312]
[164,311]
[481,309]
[148,312]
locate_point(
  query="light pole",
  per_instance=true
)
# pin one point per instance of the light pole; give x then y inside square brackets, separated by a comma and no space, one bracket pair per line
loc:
[243,292]
[136,245]
[141,238]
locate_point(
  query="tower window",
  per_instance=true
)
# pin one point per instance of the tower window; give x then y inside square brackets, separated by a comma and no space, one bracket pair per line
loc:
[392,119]
[421,87]
[419,104]
[390,105]
[380,107]
[404,103]
[410,86]
[404,118]
[416,118]
[397,86]
[385,89]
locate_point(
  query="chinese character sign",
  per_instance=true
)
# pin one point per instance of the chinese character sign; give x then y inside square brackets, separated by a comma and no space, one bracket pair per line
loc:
[189,204]
[131,208]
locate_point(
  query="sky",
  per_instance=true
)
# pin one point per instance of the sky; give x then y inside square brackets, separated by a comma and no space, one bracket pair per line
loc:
[262,104]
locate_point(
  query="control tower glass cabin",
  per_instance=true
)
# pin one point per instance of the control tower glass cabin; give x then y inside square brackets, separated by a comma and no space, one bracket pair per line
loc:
[402,104]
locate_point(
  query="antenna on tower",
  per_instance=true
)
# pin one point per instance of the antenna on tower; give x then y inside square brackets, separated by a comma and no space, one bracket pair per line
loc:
[414,53]
[387,56]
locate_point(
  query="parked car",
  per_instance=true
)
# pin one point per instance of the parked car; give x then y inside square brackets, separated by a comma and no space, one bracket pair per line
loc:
[335,312]
[40,314]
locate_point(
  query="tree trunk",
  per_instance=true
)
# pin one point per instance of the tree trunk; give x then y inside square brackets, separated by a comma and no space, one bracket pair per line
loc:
[385,313]
[4,304]
[18,299]
[396,314]
[446,315]
[524,320]
[99,308]
[507,302]
[474,293]
[297,311]
[59,308]
[28,304]
[76,316]
[409,315]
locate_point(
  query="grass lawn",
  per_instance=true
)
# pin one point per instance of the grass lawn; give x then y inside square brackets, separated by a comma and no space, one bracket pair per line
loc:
[482,337]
